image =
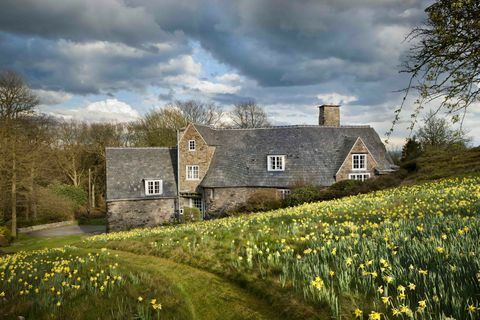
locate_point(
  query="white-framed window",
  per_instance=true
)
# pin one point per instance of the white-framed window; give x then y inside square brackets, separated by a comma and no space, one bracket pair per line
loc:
[359,161]
[359,176]
[192,173]
[276,163]
[284,193]
[153,187]
[196,203]
[191,145]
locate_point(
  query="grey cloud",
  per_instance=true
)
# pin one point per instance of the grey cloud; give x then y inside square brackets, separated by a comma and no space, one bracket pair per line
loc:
[276,42]
[91,67]
[84,20]
[310,46]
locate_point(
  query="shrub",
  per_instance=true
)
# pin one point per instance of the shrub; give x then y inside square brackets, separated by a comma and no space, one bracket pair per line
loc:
[76,194]
[85,214]
[52,207]
[303,194]
[263,200]
[192,215]
[259,200]
[5,236]
[345,186]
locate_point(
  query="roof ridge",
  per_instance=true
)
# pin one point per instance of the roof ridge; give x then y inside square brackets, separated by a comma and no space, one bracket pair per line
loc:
[287,126]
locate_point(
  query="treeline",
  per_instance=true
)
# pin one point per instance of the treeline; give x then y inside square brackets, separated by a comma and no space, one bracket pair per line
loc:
[53,170]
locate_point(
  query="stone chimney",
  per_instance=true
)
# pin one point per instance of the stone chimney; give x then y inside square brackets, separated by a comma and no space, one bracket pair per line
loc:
[329,115]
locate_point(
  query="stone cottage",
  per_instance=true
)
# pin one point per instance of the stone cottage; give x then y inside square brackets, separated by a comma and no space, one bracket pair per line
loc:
[215,169]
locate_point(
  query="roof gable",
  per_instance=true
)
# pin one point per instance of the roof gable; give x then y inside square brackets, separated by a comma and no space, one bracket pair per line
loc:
[358,142]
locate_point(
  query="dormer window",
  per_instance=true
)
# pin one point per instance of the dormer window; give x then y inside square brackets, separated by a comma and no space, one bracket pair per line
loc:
[276,163]
[191,145]
[153,187]
[359,162]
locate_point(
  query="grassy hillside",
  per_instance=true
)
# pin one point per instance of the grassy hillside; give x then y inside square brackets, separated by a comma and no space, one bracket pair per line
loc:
[410,252]
[436,164]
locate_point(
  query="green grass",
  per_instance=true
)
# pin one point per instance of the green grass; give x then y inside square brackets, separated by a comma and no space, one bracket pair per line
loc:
[78,284]
[183,292]
[28,243]
[93,221]
[424,235]
[416,246]
[437,164]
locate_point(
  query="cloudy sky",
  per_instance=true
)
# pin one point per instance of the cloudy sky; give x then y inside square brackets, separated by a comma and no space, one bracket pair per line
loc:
[98,60]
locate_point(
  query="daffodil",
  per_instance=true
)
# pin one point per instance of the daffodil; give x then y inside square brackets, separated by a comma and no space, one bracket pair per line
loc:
[358,313]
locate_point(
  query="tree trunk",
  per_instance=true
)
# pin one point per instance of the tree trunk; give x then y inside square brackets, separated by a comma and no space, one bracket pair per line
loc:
[14,194]
[93,194]
[33,203]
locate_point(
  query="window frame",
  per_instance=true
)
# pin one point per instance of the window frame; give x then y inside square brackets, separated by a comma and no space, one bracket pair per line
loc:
[284,193]
[269,162]
[153,181]
[190,145]
[364,176]
[193,205]
[192,178]
[364,155]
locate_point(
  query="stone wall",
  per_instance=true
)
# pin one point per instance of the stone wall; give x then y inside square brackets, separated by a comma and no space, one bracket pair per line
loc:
[346,167]
[202,156]
[128,214]
[224,199]
[329,115]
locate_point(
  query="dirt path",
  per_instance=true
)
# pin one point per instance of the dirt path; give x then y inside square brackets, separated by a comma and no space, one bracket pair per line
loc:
[207,295]
[68,231]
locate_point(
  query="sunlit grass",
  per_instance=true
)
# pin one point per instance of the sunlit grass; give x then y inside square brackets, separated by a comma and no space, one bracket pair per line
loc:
[410,252]
[70,283]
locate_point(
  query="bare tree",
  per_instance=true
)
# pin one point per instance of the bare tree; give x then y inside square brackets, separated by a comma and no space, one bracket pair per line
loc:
[201,113]
[437,132]
[444,61]
[70,150]
[16,102]
[249,115]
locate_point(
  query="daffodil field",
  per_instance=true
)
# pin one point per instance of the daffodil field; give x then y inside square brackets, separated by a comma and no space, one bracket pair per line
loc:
[69,283]
[405,253]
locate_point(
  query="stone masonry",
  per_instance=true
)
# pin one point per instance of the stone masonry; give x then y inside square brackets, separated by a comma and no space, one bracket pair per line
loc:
[329,115]
[346,168]
[123,215]
[202,156]
[224,199]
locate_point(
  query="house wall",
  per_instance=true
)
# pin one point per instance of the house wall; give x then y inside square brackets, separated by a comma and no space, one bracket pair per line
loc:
[128,214]
[225,199]
[202,157]
[346,168]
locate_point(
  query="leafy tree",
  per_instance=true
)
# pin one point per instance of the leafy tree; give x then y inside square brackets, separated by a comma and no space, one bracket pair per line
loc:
[411,150]
[158,128]
[249,115]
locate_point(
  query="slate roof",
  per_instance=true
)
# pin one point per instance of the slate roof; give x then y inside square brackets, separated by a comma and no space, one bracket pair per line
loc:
[313,154]
[128,167]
